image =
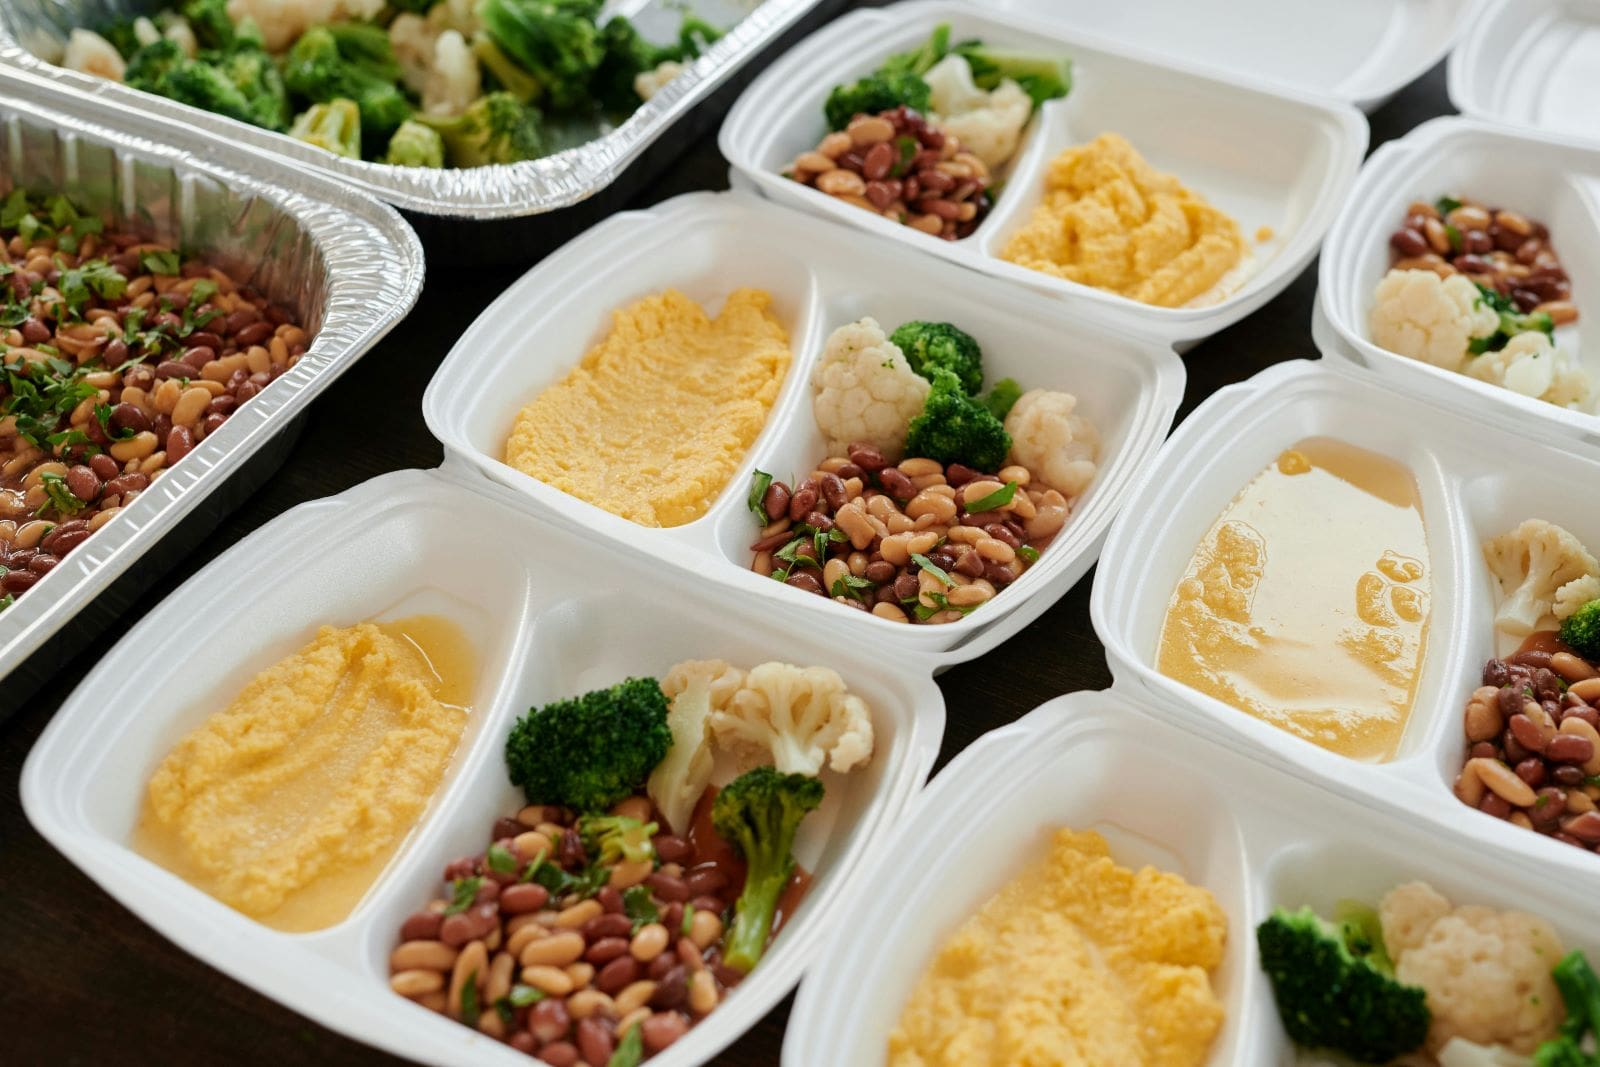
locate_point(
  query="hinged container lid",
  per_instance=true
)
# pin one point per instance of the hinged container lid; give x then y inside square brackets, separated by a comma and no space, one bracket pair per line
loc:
[1532,64]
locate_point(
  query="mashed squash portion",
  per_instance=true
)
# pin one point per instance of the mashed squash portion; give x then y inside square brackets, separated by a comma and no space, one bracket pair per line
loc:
[655,419]
[287,803]
[1110,220]
[1078,962]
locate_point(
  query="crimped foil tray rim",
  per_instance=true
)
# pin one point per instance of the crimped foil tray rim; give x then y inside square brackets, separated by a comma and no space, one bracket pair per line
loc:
[504,191]
[373,271]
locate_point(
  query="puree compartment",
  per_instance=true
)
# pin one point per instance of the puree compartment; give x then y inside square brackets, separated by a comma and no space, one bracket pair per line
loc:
[821,276]
[411,543]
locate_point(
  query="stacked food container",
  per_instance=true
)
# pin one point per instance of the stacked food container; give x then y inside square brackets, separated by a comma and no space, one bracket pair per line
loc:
[557,595]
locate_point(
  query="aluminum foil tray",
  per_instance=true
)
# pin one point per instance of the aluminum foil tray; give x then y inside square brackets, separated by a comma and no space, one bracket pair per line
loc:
[31,29]
[347,265]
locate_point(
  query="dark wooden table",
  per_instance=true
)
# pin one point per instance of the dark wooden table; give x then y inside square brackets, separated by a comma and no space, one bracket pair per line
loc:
[83,981]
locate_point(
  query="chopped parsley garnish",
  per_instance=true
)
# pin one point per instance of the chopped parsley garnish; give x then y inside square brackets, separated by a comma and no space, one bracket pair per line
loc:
[163,262]
[1029,553]
[638,906]
[997,499]
[57,493]
[760,482]
[1446,204]
[501,860]
[933,568]
[469,999]
[852,587]
[463,891]
[688,920]
[523,995]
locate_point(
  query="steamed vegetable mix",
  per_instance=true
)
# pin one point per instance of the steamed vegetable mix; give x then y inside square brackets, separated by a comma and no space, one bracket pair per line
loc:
[432,83]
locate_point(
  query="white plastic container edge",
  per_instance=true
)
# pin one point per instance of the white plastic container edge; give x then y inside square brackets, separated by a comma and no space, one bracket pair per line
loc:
[1258,839]
[425,541]
[1532,64]
[822,276]
[1555,180]
[1372,50]
[1297,153]
[1475,480]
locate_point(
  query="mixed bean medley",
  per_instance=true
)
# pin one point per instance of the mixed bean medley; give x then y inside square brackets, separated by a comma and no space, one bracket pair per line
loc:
[1533,728]
[918,541]
[1497,248]
[897,165]
[119,356]
[561,954]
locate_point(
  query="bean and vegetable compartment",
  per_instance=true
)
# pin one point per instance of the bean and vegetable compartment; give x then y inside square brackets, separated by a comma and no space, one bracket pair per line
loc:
[424,83]
[1039,159]
[654,863]
[1478,288]
[120,354]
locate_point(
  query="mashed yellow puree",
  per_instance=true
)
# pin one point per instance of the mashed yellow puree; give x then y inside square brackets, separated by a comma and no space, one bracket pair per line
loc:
[288,803]
[1078,962]
[1108,219]
[654,421]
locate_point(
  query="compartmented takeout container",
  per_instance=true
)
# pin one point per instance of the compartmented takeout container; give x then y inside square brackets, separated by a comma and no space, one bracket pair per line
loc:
[38,28]
[348,266]
[821,276]
[549,613]
[1269,156]
[1371,51]
[1531,64]
[1475,481]
[1554,181]
[1257,838]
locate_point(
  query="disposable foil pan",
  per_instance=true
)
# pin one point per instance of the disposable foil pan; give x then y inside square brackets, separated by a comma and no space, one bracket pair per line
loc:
[33,31]
[348,267]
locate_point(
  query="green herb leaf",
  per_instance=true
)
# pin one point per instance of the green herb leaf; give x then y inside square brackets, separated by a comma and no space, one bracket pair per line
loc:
[523,995]
[932,568]
[163,262]
[463,891]
[630,1050]
[997,499]
[1029,553]
[760,482]
[57,493]
[906,148]
[852,587]
[688,920]
[638,906]
[1446,204]
[501,860]
[533,865]
[469,999]
[1453,234]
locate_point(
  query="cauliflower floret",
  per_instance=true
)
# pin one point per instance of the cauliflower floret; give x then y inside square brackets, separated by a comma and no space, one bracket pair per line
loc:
[1459,1052]
[281,21]
[412,41]
[178,30]
[1418,314]
[1486,972]
[1058,445]
[648,83]
[1574,595]
[1532,365]
[801,716]
[988,124]
[864,390]
[458,15]
[694,687]
[453,81]
[93,54]
[1538,565]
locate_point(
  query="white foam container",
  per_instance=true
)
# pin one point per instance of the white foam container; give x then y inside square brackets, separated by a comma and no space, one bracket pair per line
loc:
[822,276]
[1475,480]
[1554,180]
[1268,155]
[1531,64]
[1257,838]
[551,614]
[1372,50]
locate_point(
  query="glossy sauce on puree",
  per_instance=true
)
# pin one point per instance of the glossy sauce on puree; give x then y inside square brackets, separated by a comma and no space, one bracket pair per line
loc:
[288,803]
[1307,603]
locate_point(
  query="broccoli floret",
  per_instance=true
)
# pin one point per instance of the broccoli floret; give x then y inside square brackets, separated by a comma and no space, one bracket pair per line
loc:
[497,128]
[590,752]
[149,66]
[1042,77]
[627,55]
[318,70]
[335,126]
[939,344]
[503,70]
[614,838]
[1335,987]
[367,46]
[1512,322]
[921,59]
[254,73]
[1581,630]
[554,41]
[210,22]
[1580,991]
[415,145]
[1002,397]
[235,85]
[758,814]
[957,428]
[872,94]
[121,36]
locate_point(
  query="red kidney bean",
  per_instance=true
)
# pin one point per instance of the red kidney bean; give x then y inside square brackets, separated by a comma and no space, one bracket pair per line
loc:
[548,1020]
[41,564]
[180,442]
[658,968]
[1493,804]
[1584,827]
[605,950]
[1527,733]
[83,483]
[561,1054]
[896,484]
[834,492]
[867,457]
[906,586]
[672,989]
[523,897]
[667,887]
[777,540]
[525,1043]
[257,333]
[1408,242]
[199,356]
[880,194]
[421,926]
[819,520]
[611,924]
[239,319]
[221,405]
[595,1043]
[803,581]
[212,424]
[617,975]
[173,368]
[660,1031]
[877,161]
[123,484]
[672,915]
[128,418]
[34,331]
[1567,775]
[18,581]
[705,881]
[880,571]
[456,930]
[67,542]
[1531,770]
[803,501]
[610,899]
[776,501]
[203,338]
[247,391]
[1569,748]
[672,849]
[103,466]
